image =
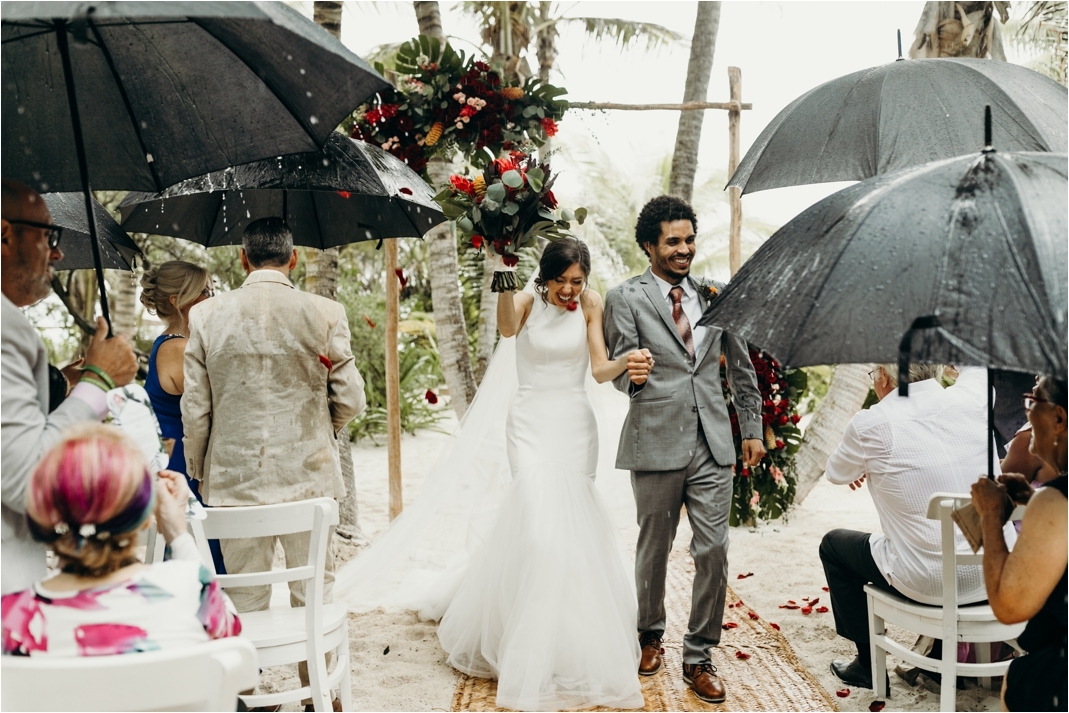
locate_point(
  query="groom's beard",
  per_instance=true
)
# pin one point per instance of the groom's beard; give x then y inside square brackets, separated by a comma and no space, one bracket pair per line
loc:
[674,270]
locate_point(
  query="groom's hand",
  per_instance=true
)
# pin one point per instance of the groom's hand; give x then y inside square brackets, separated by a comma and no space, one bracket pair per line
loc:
[639,364]
[753,450]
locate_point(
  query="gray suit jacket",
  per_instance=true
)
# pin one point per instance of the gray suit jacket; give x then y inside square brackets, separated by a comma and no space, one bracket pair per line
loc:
[660,432]
[270,381]
[27,432]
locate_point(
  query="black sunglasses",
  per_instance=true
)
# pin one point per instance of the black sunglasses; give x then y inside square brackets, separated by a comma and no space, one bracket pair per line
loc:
[55,232]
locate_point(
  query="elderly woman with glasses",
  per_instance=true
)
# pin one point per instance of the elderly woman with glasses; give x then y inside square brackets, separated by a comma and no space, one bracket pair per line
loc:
[170,291]
[1029,583]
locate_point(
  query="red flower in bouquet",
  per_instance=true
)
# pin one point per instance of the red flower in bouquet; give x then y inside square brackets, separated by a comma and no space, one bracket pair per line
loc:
[505,164]
[464,185]
[549,126]
[760,367]
[481,66]
[477,241]
[549,200]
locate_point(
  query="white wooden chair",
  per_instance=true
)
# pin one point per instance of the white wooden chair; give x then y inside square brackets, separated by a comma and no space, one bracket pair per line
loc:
[950,622]
[206,677]
[284,635]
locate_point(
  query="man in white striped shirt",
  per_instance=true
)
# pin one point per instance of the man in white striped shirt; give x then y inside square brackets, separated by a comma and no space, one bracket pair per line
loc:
[905,449]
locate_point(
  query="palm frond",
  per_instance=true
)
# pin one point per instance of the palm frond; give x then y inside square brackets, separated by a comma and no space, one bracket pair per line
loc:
[625,33]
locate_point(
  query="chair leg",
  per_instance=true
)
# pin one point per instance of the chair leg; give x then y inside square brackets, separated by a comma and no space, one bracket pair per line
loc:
[317,678]
[877,654]
[948,686]
[345,692]
[983,655]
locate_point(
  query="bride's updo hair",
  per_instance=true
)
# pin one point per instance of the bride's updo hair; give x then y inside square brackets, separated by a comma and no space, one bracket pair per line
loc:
[182,280]
[558,257]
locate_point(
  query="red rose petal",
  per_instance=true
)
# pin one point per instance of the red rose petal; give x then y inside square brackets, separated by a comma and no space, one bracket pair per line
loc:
[791,601]
[345,194]
[788,606]
[813,602]
[825,589]
[822,610]
[753,615]
[744,576]
[401,277]
[325,361]
[729,625]
[774,625]
[406,191]
[432,398]
[807,610]
[572,306]
[843,692]
[742,655]
[369,322]
[805,599]
[876,706]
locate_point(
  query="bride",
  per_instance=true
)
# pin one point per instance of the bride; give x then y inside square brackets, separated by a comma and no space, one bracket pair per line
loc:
[509,544]
[547,606]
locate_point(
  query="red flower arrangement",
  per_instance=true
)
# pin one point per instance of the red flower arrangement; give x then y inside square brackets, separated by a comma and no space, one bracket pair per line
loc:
[767,489]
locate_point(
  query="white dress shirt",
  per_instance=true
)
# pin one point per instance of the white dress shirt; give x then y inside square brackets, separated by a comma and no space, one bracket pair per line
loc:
[692,306]
[911,447]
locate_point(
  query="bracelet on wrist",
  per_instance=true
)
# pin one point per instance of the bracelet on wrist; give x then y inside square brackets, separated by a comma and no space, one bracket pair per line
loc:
[102,374]
[87,379]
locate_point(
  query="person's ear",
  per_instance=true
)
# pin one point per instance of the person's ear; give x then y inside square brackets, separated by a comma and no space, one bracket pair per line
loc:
[245,265]
[173,299]
[7,236]
[293,260]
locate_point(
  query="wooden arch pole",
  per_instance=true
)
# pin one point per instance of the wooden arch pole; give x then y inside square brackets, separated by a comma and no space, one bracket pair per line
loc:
[393,385]
[734,192]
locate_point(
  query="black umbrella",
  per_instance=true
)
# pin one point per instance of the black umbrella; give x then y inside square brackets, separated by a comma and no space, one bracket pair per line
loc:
[348,192]
[117,250]
[904,114]
[148,94]
[959,261]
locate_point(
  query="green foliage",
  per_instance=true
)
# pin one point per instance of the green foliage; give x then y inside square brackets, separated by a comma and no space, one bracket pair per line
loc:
[418,362]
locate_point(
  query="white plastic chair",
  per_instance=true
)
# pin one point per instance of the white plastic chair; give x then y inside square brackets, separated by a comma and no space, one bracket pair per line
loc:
[950,622]
[284,635]
[206,677]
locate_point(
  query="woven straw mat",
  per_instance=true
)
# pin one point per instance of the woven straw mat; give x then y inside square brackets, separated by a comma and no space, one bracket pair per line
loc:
[771,679]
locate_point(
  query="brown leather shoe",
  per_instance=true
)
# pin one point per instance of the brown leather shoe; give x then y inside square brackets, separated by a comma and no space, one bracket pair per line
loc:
[704,682]
[652,651]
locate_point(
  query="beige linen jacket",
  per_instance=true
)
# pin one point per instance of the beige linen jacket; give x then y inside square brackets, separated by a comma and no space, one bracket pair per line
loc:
[270,381]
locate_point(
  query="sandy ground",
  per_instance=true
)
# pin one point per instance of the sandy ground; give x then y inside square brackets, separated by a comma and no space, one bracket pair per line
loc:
[398,664]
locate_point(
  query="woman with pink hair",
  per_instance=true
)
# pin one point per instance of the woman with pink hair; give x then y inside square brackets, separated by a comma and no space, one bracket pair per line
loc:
[88,500]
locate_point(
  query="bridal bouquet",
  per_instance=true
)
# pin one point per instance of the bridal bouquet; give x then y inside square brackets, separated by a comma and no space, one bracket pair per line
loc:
[505,207]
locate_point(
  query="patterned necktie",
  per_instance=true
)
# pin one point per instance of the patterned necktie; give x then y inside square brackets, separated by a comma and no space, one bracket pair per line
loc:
[680,318]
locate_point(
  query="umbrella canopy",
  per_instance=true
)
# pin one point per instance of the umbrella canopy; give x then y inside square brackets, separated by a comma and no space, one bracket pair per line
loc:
[117,250]
[167,90]
[348,192]
[975,247]
[904,114]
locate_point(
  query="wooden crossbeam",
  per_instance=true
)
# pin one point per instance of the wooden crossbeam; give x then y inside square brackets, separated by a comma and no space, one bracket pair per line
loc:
[685,106]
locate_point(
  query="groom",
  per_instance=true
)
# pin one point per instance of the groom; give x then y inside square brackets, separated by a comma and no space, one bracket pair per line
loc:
[677,439]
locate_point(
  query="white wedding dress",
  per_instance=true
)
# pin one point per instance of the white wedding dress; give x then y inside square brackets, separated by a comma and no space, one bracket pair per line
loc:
[546,604]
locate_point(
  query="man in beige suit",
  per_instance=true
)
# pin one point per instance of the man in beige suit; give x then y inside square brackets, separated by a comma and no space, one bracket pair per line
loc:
[270,384]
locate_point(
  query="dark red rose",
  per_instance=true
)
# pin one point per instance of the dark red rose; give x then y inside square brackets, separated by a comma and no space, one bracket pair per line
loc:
[510,260]
[760,366]
[795,418]
[780,444]
[481,66]
[782,420]
[432,398]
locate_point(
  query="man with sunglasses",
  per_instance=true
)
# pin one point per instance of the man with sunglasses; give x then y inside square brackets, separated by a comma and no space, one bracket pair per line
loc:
[29,245]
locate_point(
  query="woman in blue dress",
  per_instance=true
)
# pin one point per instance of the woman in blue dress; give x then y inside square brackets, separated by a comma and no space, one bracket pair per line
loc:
[169,291]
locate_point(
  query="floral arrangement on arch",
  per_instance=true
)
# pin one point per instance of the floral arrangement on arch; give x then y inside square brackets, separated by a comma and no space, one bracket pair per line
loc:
[505,207]
[767,490]
[444,102]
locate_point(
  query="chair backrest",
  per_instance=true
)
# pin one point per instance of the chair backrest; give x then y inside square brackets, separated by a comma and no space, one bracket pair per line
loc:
[206,677]
[315,516]
[940,507]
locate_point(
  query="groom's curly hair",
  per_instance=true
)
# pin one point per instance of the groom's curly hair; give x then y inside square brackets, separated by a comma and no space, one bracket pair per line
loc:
[662,209]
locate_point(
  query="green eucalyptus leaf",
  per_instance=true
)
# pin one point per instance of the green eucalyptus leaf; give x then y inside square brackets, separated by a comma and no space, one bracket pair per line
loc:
[529,111]
[537,174]
[546,214]
[510,208]
[495,192]
[580,215]
[465,224]
[512,179]
[489,205]
[476,214]
[567,215]
[534,183]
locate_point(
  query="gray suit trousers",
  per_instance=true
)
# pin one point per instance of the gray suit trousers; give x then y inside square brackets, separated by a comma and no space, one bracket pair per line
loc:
[705,488]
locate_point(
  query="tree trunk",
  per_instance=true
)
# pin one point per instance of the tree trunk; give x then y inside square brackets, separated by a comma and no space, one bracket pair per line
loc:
[846,393]
[123,300]
[321,278]
[487,335]
[547,41]
[449,325]
[689,133]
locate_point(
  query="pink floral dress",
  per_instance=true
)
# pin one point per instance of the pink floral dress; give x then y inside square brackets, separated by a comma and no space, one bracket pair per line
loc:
[168,605]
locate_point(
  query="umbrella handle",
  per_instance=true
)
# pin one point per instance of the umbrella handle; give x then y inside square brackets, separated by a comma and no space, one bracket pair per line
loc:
[83,167]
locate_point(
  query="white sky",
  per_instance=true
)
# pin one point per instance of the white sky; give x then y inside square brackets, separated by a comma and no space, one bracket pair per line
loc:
[783,49]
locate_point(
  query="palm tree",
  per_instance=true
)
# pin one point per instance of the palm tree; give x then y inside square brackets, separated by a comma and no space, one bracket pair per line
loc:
[453,350]
[689,132]
[1042,32]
